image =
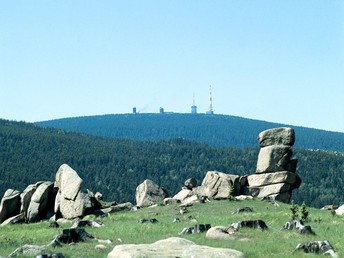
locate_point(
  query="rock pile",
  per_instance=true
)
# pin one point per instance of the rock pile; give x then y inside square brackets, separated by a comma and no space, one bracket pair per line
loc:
[275,175]
[276,172]
[63,198]
[317,247]
[298,225]
[215,185]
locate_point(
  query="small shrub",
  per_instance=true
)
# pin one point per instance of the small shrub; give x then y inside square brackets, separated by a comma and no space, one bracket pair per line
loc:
[231,193]
[303,212]
[294,208]
[298,212]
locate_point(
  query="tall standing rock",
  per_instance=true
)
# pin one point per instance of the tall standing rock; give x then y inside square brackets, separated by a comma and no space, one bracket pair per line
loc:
[68,181]
[276,172]
[40,206]
[149,193]
[71,200]
[26,196]
[10,204]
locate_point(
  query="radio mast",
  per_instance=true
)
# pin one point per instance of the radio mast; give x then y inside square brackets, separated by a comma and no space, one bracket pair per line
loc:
[210,111]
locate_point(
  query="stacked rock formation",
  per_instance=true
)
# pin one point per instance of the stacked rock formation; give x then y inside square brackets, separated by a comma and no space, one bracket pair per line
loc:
[276,172]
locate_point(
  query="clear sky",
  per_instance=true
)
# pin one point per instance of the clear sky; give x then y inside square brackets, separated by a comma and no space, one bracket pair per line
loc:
[279,61]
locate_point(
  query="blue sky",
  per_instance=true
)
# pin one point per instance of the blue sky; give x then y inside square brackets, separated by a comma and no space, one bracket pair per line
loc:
[279,61]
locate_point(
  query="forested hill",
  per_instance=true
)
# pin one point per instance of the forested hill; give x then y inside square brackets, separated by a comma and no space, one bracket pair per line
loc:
[215,130]
[115,167]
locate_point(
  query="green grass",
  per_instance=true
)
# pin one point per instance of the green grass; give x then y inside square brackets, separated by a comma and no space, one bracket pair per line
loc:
[123,228]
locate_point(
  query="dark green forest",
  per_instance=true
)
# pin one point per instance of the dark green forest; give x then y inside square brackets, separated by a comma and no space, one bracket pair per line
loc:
[214,130]
[29,153]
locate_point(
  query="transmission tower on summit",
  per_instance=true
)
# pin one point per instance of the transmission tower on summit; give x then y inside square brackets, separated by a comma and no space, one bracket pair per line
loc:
[210,111]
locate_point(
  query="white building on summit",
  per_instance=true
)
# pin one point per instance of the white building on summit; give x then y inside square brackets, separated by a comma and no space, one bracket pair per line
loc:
[193,107]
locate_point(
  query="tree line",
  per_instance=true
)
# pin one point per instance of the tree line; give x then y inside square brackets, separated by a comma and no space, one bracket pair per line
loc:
[214,130]
[114,167]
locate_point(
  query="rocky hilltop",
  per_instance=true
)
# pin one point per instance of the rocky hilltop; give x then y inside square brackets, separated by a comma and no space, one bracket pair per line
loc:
[67,198]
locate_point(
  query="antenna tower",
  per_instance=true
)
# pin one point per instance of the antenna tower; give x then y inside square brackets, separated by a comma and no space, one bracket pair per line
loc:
[211,111]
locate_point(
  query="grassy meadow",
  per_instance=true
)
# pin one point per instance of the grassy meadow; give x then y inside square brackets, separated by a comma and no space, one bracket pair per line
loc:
[123,228]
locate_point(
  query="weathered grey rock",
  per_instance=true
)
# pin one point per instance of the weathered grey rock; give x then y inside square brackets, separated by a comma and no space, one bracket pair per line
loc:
[278,192]
[30,250]
[330,207]
[252,191]
[41,203]
[199,228]
[87,223]
[98,196]
[243,197]
[68,182]
[340,210]
[190,183]
[26,195]
[171,201]
[183,194]
[219,232]
[100,247]
[71,209]
[171,248]
[298,225]
[127,206]
[317,247]
[186,196]
[256,224]
[294,224]
[243,209]
[20,218]
[72,200]
[277,136]
[268,190]
[273,158]
[281,197]
[271,178]
[217,184]
[190,200]
[71,235]
[10,204]
[57,203]
[149,193]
